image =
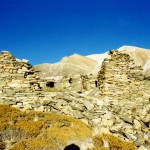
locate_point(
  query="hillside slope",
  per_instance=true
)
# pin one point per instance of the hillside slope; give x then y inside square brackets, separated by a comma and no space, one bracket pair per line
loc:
[74,64]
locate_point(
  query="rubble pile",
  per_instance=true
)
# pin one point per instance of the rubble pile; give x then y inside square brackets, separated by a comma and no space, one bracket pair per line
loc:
[117,102]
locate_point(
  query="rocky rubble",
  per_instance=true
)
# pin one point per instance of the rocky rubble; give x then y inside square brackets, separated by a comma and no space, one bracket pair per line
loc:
[127,120]
[122,83]
[120,105]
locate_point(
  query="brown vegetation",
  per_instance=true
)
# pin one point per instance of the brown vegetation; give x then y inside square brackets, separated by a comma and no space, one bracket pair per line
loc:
[110,142]
[43,131]
[37,130]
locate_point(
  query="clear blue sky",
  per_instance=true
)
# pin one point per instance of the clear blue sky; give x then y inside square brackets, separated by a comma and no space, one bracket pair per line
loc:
[47,30]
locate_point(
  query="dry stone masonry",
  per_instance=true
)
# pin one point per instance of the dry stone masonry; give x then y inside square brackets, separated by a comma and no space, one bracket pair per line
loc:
[120,79]
[120,105]
[21,86]
[18,80]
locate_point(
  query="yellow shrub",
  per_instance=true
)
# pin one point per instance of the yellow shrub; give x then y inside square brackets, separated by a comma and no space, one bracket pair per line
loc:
[48,127]
[21,131]
[35,144]
[30,128]
[114,143]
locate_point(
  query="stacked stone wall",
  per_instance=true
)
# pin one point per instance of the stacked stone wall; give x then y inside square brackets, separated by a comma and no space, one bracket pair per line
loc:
[107,110]
[120,79]
[18,80]
[22,87]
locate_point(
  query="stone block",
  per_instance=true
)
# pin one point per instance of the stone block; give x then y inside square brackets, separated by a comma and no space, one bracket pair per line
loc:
[88,105]
[93,91]
[137,124]
[25,60]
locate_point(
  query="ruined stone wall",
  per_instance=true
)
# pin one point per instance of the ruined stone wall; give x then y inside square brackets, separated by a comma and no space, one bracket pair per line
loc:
[21,86]
[88,82]
[119,78]
[18,80]
[78,83]
[72,83]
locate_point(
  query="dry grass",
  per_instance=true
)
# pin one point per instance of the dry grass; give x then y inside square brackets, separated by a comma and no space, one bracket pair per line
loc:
[108,141]
[50,131]
[36,144]
[43,131]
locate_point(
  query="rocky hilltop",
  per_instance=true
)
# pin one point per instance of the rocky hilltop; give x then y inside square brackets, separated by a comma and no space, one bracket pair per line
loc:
[115,102]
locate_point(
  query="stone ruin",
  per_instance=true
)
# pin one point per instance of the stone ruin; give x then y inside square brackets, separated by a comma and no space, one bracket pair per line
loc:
[119,78]
[21,86]
[117,101]
[18,79]
[77,83]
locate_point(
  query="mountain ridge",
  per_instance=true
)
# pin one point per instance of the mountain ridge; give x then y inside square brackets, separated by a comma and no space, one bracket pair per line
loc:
[91,64]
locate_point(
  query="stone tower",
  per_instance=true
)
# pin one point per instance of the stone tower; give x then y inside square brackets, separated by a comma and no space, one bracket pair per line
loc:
[120,79]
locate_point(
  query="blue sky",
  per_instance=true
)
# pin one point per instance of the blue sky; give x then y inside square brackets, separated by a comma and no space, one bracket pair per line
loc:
[47,30]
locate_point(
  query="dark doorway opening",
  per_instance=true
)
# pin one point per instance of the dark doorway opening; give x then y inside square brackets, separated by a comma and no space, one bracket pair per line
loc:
[96,83]
[50,84]
[72,147]
[70,80]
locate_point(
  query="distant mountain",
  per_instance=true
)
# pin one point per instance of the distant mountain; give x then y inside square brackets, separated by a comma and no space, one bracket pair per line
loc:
[74,64]
[91,64]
